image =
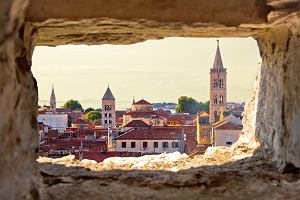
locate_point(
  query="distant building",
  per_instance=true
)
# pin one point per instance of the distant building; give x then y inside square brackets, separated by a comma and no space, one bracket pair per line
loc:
[178,119]
[158,139]
[81,124]
[136,124]
[108,109]
[143,110]
[141,106]
[53,101]
[226,131]
[150,140]
[218,87]
[203,129]
[56,121]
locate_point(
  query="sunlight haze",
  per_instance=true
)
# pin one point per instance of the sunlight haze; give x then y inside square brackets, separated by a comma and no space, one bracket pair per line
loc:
[156,70]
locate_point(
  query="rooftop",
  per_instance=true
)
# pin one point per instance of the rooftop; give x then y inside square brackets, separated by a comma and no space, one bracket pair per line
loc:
[142,102]
[108,95]
[137,123]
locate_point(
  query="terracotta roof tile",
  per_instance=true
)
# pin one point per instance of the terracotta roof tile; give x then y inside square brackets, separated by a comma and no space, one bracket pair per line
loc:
[141,113]
[136,124]
[228,126]
[142,102]
[155,133]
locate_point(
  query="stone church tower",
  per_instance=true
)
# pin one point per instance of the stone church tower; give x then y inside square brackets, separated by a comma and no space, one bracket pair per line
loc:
[108,110]
[53,100]
[218,87]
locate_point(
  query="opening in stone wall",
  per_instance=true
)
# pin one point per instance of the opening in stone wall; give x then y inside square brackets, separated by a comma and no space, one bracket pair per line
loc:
[98,102]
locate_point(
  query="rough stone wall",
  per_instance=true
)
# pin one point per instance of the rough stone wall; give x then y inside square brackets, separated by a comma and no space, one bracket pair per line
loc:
[272,113]
[18,100]
[278,111]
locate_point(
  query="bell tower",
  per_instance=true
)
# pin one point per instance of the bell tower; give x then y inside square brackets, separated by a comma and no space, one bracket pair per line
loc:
[108,110]
[218,88]
[53,100]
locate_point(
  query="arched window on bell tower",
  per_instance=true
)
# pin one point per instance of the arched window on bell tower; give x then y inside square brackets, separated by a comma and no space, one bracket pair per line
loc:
[215,99]
[221,84]
[215,83]
[221,98]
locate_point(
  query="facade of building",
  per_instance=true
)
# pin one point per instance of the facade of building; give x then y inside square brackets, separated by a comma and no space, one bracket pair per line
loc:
[218,87]
[56,121]
[226,134]
[178,119]
[151,140]
[227,131]
[143,110]
[203,129]
[108,110]
[136,124]
[141,106]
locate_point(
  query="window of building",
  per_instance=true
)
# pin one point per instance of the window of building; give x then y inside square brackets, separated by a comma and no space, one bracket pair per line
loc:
[105,121]
[175,144]
[145,145]
[109,121]
[215,83]
[221,98]
[221,83]
[165,145]
[229,140]
[105,114]
[107,107]
[155,144]
[109,115]
[123,145]
[215,99]
[132,144]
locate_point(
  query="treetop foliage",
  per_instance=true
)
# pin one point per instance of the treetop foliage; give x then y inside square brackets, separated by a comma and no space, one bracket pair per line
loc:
[189,105]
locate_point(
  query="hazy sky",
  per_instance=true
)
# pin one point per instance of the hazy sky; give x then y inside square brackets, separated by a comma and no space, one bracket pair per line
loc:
[157,70]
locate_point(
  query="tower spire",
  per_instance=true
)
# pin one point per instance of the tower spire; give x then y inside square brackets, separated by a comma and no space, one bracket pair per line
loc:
[53,100]
[218,63]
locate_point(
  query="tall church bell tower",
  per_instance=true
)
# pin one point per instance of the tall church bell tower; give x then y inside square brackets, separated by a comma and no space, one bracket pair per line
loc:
[108,110]
[218,87]
[53,100]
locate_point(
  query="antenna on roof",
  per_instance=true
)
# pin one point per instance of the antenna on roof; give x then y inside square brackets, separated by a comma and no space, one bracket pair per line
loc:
[108,84]
[218,41]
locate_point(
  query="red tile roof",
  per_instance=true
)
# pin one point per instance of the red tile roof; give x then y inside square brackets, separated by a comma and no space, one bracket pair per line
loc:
[119,121]
[64,110]
[142,102]
[154,133]
[80,121]
[228,126]
[97,123]
[181,116]
[162,113]
[136,124]
[120,113]
[142,113]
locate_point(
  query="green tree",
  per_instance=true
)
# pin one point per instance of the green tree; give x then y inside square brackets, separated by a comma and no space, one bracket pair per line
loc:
[89,109]
[93,115]
[190,105]
[72,104]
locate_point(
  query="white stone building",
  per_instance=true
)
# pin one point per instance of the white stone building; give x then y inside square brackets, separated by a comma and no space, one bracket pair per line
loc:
[151,140]
[56,121]
[226,131]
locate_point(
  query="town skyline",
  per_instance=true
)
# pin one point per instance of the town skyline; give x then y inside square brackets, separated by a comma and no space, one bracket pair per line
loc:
[168,82]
